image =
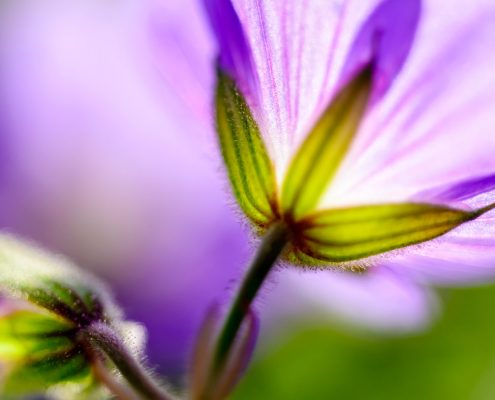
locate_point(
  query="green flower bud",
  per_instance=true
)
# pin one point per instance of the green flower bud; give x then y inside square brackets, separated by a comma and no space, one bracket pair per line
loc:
[48,307]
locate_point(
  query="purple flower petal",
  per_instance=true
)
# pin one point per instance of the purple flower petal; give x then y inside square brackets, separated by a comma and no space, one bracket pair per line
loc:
[384,40]
[435,128]
[235,54]
[461,190]
[297,51]
[380,299]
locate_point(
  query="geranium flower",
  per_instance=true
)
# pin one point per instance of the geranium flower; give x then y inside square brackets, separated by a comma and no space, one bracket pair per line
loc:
[335,126]
[380,299]
[343,123]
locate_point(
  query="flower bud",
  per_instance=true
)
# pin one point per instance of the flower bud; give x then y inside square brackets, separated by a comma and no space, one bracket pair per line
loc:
[48,305]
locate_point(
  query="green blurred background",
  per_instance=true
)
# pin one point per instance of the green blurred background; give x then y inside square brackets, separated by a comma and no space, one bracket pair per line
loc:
[454,359]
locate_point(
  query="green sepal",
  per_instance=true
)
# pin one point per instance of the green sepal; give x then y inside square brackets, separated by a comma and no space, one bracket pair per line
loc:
[50,282]
[38,375]
[73,302]
[348,234]
[48,305]
[40,350]
[320,155]
[31,334]
[250,170]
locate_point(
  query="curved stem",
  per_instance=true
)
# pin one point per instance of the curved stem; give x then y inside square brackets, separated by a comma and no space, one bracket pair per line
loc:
[103,337]
[272,245]
[102,373]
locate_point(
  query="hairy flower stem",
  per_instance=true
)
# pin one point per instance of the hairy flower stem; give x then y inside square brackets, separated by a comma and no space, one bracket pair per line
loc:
[272,245]
[109,380]
[104,338]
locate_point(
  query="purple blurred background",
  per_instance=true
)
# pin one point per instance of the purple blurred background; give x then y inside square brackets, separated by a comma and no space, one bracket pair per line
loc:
[101,163]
